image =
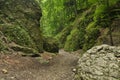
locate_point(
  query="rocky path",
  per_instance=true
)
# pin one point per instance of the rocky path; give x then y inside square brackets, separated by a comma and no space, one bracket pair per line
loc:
[27,68]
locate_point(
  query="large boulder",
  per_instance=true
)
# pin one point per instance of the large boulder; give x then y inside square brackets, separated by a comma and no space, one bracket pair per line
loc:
[99,63]
[20,22]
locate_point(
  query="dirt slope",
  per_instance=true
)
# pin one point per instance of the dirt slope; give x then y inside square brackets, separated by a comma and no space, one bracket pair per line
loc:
[15,67]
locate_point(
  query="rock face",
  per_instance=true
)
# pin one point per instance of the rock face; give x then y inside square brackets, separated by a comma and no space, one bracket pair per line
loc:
[3,42]
[20,23]
[50,45]
[99,63]
[105,39]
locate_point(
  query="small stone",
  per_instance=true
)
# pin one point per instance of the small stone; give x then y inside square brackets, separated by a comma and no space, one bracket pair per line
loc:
[12,77]
[4,71]
[2,79]
[99,73]
[74,70]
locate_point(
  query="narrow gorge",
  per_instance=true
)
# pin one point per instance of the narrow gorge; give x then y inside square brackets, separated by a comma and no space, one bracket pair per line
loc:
[59,39]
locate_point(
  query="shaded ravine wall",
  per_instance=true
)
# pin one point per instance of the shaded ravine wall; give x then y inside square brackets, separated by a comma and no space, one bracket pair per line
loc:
[20,23]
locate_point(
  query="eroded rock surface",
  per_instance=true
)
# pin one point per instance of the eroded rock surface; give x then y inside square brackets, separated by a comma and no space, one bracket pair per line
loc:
[99,63]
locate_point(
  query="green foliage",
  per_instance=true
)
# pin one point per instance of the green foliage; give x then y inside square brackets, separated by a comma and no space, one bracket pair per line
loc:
[62,36]
[56,16]
[76,23]
[90,28]
[92,1]
[100,12]
[72,42]
[92,33]
[52,19]
[112,2]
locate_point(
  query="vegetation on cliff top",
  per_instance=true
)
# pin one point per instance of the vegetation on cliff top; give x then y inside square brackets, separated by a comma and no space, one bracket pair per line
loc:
[77,24]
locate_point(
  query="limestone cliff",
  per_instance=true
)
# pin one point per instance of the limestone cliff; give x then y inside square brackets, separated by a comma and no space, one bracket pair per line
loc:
[20,23]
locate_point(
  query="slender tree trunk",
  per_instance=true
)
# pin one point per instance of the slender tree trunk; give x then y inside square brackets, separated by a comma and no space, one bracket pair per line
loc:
[110,27]
[75,5]
[111,38]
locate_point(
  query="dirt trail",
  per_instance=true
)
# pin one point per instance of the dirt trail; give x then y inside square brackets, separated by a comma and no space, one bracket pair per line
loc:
[27,68]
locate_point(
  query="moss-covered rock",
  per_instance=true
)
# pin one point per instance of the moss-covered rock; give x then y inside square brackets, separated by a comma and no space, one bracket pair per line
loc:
[18,35]
[3,42]
[92,33]
[24,50]
[62,36]
[2,45]
[72,42]
[93,25]
[20,23]
[51,45]
[76,38]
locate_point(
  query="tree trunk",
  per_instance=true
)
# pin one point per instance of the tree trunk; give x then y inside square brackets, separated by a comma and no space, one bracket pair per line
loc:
[111,38]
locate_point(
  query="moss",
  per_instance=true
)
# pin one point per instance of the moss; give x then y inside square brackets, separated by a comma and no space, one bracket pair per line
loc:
[91,28]
[113,2]
[99,12]
[51,45]
[92,33]
[26,50]
[18,35]
[21,23]
[62,36]
[72,42]
[2,46]
[73,38]
[3,42]
[92,1]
